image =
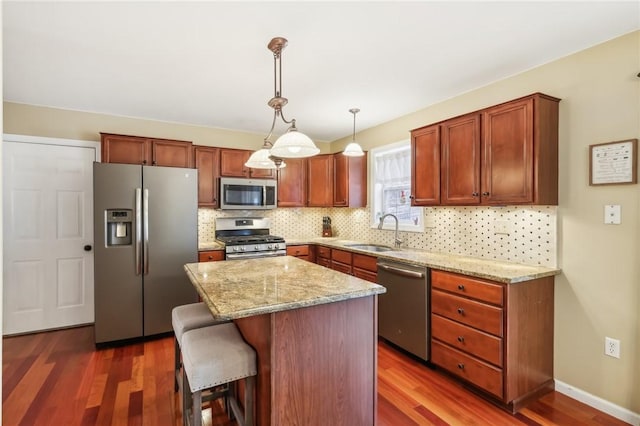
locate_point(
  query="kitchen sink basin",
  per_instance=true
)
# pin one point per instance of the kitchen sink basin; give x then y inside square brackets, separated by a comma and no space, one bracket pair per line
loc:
[369,247]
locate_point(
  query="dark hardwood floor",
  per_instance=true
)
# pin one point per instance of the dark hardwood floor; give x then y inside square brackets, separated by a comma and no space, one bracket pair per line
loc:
[59,378]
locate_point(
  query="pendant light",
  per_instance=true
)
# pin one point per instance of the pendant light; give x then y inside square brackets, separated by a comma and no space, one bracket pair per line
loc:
[353,149]
[262,158]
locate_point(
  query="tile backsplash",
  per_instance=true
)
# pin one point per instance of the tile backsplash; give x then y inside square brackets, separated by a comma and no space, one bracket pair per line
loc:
[468,231]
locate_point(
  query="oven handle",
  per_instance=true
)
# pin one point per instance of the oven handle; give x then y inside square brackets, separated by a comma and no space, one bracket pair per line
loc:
[237,256]
[401,271]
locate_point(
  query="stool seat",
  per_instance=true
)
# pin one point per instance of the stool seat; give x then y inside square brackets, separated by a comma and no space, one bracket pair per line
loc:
[214,356]
[188,317]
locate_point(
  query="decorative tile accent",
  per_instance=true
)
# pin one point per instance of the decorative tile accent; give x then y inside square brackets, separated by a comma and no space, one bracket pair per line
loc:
[468,231]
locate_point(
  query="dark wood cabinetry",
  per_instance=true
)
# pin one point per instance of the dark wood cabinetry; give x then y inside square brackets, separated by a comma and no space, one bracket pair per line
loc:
[146,151]
[323,256]
[320,181]
[292,183]
[505,154]
[207,161]
[425,166]
[341,261]
[349,181]
[232,165]
[302,251]
[365,267]
[497,337]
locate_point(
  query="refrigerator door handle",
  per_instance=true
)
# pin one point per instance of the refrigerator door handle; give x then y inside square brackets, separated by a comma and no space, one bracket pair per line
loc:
[138,242]
[145,226]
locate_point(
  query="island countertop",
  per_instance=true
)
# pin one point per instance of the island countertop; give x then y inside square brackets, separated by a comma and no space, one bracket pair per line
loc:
[243,288]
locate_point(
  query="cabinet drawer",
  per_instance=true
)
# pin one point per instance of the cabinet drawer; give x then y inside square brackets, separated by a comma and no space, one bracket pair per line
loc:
[475,314]
[467,286]
[302,250]
[324,252]
[363,261]
[323,261]
[210,255]
[341,256]
[467,339]
[365,275]
[342,267]
[464,366]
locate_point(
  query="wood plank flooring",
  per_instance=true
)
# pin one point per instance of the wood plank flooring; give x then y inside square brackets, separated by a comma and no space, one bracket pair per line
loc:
[59,378]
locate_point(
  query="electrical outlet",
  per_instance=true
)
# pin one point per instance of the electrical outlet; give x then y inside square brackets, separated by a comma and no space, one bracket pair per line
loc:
[612,347]
[501,227]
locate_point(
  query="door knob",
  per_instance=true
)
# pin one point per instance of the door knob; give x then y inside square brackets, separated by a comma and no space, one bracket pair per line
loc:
[87,248]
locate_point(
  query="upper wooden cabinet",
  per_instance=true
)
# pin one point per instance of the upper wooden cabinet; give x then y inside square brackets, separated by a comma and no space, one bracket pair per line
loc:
[232,165]
[505,154]
[460,160]
[349,181]
[207,161]
[320,181]
[292,183]
[147,151]
[425,166]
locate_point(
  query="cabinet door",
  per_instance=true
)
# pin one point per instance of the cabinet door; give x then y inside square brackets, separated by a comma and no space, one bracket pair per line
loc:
[170,153]
[320,181]
[507,176]
[207,160]
[263,173]
[292,188]
[349,181]
[460,160]
[425,166]
[125,149]
[211,256]
[232,162]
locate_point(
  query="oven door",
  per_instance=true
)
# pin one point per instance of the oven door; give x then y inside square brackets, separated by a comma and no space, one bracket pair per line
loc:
[255,254]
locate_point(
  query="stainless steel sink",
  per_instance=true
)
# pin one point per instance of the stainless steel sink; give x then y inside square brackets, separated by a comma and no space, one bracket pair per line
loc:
[370,247]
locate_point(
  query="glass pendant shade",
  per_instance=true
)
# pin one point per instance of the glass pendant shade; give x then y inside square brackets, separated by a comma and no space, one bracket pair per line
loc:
[294,144]
[260,159]
[353,150]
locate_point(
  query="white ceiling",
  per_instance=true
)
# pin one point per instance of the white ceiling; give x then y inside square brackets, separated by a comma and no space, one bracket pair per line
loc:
[206,63]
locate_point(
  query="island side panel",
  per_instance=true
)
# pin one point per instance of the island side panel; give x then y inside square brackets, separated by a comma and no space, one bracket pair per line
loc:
[324,364]
[316,364]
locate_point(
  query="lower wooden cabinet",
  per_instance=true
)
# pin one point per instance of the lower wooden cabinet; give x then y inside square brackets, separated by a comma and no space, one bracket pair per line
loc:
[341,261]
[210,255]
[365,267]
[302,251]
[497,337]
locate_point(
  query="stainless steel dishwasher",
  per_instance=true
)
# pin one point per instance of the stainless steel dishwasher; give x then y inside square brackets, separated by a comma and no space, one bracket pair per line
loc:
[403,311]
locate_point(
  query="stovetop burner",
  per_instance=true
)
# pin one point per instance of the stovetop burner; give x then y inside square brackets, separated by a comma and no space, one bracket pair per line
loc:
[250,239]
[246,238]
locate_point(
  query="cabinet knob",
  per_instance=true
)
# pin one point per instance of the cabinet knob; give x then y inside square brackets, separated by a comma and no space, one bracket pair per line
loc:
[210,257]
[474,194]
[461,311]
[461,287]
[485,193]
[461,366]
[461,339]
[144,161]
[411,197]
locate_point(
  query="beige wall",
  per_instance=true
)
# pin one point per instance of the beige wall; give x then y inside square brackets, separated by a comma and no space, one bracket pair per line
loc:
[598,293]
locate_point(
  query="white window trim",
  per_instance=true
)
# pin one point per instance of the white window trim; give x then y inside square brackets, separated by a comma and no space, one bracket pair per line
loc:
[389,224]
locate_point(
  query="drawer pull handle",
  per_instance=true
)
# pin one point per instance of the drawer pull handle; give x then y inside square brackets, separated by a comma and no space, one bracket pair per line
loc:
[461,287]
[461,339]
[461,311]
[461,366]
[210,257]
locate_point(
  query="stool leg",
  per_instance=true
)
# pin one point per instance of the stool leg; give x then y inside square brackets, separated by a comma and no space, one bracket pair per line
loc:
[197,408]
[177,364]
[186,403]
[249,389]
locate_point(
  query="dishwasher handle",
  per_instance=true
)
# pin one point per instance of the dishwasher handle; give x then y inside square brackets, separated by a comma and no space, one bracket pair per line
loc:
[401,271]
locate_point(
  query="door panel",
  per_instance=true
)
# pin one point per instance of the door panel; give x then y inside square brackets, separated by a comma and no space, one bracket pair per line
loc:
[47,199]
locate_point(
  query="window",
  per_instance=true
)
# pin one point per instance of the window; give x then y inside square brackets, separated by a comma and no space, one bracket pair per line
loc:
[391,187]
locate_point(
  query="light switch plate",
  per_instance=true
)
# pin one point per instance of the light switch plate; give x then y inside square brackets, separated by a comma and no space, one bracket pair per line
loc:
[612,214]
[501,227]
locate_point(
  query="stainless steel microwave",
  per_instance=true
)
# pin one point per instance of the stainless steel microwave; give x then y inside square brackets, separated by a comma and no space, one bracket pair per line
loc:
[247,194]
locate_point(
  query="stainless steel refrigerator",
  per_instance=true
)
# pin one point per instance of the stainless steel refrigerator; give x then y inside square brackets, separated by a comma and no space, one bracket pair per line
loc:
[146,229]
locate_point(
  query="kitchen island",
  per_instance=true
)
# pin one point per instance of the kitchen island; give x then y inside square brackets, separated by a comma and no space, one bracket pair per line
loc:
[314,331]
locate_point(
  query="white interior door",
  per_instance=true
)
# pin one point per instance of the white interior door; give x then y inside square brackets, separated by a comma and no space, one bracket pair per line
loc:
[47,222]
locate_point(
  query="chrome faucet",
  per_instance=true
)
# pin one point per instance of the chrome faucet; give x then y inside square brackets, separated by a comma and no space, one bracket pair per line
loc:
[397,240]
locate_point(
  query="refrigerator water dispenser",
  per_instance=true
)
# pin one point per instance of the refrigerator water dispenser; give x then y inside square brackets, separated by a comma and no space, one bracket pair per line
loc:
[119,227]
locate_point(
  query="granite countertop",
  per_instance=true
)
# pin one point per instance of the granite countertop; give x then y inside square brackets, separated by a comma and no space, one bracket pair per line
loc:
[242,288]
[210,245]
[500,271]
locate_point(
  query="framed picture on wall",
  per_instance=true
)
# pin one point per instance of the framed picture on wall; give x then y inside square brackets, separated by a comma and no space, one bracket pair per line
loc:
[613,163]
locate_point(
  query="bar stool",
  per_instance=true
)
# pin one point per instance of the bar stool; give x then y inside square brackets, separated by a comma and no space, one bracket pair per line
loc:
[183,319]
[211,357]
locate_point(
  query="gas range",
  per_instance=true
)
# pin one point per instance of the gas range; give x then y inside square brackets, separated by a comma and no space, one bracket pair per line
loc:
[248,238]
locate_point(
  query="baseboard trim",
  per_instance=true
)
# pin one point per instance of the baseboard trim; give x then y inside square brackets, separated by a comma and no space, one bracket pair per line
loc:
[598,403]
